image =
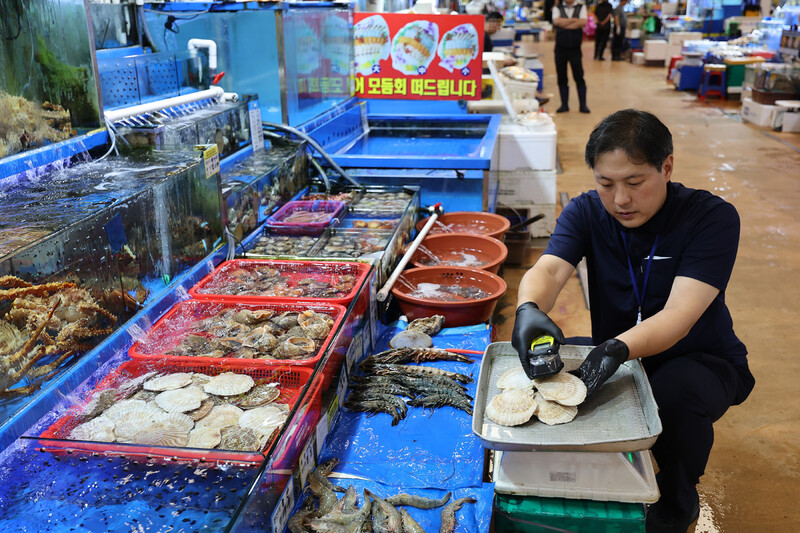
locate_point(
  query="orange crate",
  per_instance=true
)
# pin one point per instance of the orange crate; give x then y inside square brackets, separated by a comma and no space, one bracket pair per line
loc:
[221,284]
[291,381]
[170,330]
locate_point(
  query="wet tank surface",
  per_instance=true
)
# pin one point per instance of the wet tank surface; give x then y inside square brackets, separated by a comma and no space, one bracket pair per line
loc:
[78,491]
[753,476]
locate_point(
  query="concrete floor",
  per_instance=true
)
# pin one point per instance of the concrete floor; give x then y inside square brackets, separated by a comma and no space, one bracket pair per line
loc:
[752,481]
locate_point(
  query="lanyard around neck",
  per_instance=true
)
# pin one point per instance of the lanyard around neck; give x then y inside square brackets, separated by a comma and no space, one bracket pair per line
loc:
[639,295]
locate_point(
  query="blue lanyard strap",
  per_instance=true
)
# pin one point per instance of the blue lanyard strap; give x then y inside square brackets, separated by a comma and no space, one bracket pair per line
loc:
[639,295]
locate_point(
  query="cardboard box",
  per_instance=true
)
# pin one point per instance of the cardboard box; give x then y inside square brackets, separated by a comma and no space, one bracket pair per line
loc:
[758,114]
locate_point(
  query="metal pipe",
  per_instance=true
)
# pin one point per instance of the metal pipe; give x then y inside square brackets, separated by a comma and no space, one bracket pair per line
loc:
[314,144]
[118,114]
[384,292]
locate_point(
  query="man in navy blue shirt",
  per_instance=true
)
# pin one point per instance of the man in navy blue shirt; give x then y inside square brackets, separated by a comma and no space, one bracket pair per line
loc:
[659,258]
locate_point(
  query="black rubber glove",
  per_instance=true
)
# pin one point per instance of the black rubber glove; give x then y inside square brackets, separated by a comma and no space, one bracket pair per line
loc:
[601,363]
[529,324]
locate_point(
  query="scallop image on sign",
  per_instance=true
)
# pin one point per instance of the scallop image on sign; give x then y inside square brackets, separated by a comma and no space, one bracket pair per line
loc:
[458,47]
[371,44]
[413,47]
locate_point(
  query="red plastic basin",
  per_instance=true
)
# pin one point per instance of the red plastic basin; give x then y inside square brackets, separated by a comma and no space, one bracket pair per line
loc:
[478,222]
[459,249]
[460,313]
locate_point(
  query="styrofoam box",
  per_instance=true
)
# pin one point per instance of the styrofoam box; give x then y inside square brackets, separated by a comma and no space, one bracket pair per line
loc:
[540,228]
[638,58]
[655,49]
[602,476]
[791,122]
[758,114]
[678,37]
[672,50]
[520,147]
[527,186]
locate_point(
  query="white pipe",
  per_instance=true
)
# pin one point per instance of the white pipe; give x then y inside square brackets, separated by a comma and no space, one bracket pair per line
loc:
[384,292]
[502,88]
[212,50]
[118,114]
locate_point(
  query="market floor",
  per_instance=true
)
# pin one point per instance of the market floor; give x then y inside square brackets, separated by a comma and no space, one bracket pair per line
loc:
[752,481]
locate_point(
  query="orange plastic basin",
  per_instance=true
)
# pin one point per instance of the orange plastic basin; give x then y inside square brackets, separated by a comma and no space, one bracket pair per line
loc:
[459,313]
[478,222]
[467,250]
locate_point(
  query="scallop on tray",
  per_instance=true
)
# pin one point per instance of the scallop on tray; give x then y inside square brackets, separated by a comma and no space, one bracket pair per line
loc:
[241,335]
[208,411]
[621,416]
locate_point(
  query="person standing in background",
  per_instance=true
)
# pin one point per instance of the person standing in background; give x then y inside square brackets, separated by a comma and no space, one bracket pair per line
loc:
[569,18]
[602,13]
[620,23]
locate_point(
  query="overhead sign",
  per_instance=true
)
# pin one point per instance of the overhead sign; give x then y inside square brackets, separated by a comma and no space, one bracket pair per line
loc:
[418,57]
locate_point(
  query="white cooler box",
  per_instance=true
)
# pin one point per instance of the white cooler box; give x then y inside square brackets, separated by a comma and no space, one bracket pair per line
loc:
[602,476]
[522,148]
[655,50]
[758,114]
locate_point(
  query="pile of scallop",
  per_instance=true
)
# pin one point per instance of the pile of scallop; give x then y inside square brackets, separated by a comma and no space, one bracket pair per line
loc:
[553,399]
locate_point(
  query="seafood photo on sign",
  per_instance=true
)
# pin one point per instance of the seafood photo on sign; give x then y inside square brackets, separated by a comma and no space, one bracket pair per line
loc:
[458,47]
[370,44]
[413,47]
[230,411]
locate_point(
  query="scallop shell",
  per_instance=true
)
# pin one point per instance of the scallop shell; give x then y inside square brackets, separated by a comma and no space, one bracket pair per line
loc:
[198,379]
[429,326]
[181,400]
[169,382]
[264,420]
[202,411]
[512,407]
[239,438]
[229,384]
[98,429]
[101,400]
[168,429]
[204,437]
[552,413]
[133,385]
[259,395]
[563,388]
[125,409]
[515,379]
[221,416]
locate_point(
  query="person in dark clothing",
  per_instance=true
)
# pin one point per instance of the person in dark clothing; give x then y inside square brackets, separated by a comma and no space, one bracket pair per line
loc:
[620,24]
[569,18]
[659,258]
[491,24]
[603,13]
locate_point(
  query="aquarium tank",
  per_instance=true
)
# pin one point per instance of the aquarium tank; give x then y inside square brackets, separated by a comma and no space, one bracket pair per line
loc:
[48,82]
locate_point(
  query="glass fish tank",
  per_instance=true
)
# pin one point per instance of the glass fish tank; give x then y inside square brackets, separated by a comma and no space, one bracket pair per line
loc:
[48,83]
[86,247]
[256,183]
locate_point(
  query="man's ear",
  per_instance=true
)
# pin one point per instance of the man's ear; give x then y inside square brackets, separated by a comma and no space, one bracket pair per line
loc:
[667,166]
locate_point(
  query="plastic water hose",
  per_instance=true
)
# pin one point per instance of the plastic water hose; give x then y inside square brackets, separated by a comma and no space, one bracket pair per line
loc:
[314,144]
[322,174]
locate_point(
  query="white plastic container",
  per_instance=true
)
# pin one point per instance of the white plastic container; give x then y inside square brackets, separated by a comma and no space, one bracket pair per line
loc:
[758,114]
[617,477]
[522,187]
[655,50]
[523,148]
[637,58]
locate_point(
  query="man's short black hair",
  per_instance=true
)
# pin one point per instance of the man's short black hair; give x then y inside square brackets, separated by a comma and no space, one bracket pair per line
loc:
[494,15]
[640,134]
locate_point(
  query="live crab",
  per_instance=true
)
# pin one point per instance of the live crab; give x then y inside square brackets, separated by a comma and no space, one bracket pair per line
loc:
[46,320]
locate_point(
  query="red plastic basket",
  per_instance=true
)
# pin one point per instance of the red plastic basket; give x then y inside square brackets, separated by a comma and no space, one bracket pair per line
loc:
[292,379]
[170,330]
[282,222]
[294,271]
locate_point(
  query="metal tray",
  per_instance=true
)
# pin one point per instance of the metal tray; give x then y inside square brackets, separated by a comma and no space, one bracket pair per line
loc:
[621,416]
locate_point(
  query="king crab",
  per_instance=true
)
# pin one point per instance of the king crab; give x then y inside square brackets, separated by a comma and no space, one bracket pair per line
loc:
[55,318]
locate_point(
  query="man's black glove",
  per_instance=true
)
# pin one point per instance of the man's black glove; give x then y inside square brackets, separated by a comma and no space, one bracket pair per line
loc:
[531,323]
[601,363]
